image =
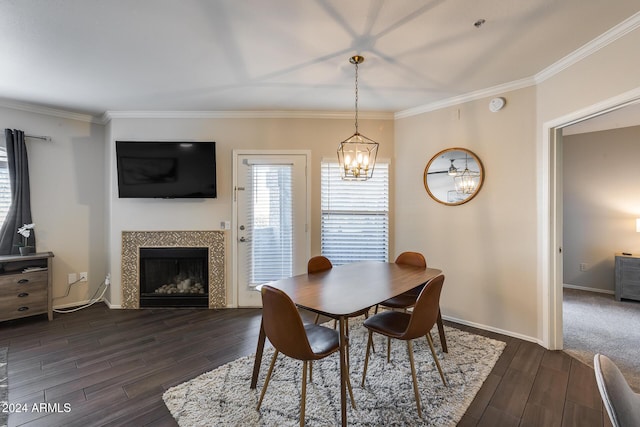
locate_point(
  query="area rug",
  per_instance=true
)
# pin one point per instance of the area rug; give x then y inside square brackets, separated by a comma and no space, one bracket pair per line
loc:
[4,387]
[223,396]
[597,323]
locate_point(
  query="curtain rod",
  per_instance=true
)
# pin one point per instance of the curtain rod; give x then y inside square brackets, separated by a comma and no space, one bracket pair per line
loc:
[44,138]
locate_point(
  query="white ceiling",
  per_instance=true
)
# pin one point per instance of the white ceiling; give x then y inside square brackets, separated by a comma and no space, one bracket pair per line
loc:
[93,56]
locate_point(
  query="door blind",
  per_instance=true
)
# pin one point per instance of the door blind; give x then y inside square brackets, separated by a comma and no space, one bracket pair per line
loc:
[269,231]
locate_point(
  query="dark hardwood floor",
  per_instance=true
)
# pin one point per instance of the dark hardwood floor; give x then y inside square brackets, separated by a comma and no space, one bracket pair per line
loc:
[112,366]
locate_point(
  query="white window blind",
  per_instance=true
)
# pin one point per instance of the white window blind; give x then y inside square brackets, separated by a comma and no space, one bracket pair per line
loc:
[270,223]
[355,216]
[5,185]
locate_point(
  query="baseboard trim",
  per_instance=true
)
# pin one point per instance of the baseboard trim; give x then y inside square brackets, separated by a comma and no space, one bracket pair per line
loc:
[584,288]
[492,329]
[110,305]
[71,304]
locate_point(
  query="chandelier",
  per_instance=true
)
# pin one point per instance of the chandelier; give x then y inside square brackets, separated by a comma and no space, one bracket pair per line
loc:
[357,154]
[466,181]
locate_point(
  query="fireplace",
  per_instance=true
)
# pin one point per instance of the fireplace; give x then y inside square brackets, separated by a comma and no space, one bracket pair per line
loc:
[174,277]
[212,240]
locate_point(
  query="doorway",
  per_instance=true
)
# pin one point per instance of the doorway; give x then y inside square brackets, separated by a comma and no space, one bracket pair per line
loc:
[551,212]
[270,220]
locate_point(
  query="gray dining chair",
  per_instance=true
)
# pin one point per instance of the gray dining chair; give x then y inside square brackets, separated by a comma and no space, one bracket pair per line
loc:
[621,402]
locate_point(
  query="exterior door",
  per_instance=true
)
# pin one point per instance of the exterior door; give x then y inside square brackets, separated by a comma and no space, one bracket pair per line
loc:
[270,225]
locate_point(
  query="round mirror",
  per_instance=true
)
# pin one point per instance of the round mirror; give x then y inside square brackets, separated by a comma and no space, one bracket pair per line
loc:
[453,176]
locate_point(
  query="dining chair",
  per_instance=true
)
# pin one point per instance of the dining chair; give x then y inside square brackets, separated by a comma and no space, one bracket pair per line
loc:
[318,264]
[409,326]
[408,299]
[621,402]
[306,342]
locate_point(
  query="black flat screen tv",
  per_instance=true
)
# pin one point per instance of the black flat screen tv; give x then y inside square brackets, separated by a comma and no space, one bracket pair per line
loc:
[166,169]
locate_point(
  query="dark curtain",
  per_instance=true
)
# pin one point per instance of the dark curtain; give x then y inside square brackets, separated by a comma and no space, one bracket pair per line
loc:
[20,210]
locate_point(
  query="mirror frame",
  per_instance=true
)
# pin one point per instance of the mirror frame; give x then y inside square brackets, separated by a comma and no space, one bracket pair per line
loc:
[440,153]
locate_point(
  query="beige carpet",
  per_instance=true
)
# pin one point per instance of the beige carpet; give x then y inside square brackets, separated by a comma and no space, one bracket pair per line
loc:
[223,397]
[597,323]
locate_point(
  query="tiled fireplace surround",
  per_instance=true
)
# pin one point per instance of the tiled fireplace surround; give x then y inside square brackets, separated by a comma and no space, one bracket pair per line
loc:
[132,241]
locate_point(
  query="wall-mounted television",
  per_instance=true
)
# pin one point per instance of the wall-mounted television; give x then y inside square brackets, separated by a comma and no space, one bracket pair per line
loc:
[166,169]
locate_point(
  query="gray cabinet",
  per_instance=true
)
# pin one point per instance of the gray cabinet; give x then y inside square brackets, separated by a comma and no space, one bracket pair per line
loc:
[627,277]
[25,286]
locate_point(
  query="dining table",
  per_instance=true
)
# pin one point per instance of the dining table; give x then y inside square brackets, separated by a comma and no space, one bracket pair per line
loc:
[342,291]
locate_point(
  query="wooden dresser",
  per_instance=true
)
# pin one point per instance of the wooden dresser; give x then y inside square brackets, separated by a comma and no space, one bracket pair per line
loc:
[627,279]
[25,285]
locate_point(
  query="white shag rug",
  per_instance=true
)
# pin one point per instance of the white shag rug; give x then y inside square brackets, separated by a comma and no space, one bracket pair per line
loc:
[222,397]
[4,387]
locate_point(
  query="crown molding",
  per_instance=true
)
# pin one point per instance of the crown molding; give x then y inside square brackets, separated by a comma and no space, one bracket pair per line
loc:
[48,111]
[625,27]
[467,97]
[109,115]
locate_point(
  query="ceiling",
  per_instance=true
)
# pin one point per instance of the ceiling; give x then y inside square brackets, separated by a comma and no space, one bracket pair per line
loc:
[93,56]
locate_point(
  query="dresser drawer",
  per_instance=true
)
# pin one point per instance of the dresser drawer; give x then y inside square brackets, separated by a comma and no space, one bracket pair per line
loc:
[629,291]
[17,281]
[25,287]
[24,303]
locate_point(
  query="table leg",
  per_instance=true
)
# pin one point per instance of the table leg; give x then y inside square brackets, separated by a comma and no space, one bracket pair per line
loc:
[343,370]
[258,360]
[443,339]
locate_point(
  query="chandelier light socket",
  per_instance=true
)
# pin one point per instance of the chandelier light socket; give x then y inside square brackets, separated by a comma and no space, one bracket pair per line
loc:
[357,157]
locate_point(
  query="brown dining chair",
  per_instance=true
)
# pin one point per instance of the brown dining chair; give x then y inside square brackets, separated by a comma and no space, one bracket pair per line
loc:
[408,299]
[318,264]
[284,328]
[409,326]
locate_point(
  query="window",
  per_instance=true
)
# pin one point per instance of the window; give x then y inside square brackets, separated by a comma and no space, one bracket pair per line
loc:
[5,185]
[355,216]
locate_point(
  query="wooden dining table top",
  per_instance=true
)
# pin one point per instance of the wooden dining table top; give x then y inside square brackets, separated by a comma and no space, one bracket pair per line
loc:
[350,288]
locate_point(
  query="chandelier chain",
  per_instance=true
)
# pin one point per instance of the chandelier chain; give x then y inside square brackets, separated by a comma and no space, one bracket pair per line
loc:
[356,97]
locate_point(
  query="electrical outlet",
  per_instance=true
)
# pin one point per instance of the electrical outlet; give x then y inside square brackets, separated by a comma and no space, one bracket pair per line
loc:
[73,277]
[83,276]
[583,266]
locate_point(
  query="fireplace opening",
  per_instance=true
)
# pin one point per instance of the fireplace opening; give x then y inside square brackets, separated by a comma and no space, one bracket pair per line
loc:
[174,277]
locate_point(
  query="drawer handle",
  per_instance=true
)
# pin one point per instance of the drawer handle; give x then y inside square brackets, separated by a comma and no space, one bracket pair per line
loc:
[21,281]
[23,308]
[23,294]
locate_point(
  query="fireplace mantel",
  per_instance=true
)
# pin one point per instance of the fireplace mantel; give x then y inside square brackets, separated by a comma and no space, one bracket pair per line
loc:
[132,241]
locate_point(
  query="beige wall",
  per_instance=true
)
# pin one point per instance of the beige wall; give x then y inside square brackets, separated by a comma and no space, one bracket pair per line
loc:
[486,247]
[493,248]
[601,201]
[320,136]
[67,197]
